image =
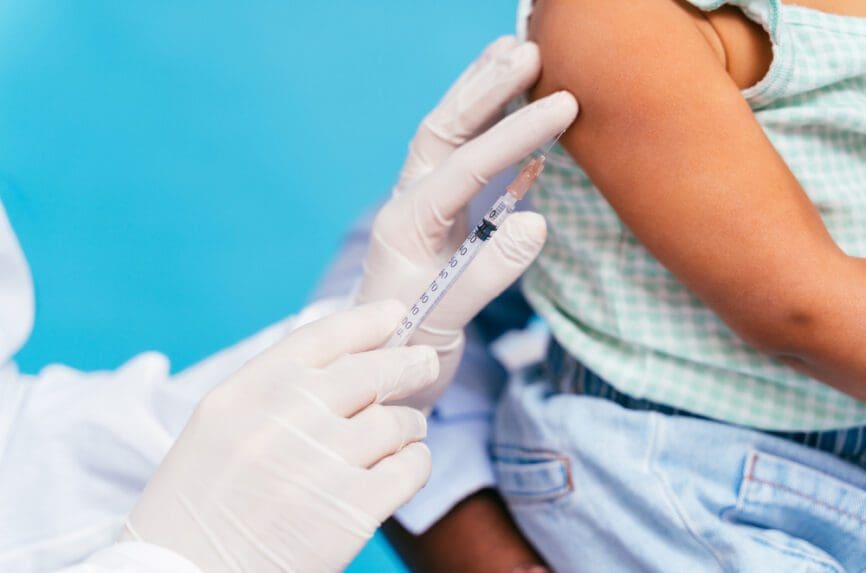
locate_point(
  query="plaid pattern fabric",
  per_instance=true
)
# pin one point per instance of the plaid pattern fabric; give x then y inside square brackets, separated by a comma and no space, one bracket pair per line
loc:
[612,305]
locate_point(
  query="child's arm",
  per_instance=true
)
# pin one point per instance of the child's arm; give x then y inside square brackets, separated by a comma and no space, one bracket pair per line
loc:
[666,135]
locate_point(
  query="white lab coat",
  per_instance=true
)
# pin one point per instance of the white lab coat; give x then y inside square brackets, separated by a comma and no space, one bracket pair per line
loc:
[76,448]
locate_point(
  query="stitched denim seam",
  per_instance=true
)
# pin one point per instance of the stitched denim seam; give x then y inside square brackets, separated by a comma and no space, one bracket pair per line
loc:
[750,477]
[554,490]
[563,485]
[670,497]
[518,461]
[747,471]
[798,493]
[532,457]
[523,450]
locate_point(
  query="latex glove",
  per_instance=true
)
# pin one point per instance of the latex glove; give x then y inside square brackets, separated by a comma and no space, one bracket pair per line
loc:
[418,230]
[293,463]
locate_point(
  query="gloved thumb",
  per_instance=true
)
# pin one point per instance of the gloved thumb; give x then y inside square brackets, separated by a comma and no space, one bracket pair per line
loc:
[513,248]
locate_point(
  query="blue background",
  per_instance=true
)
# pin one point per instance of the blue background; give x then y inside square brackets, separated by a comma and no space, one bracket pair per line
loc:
[179,173]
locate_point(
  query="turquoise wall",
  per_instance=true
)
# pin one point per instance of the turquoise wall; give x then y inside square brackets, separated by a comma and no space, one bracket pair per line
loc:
[180,172]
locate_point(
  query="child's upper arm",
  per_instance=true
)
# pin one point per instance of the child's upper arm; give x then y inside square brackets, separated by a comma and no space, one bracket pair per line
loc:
[667,137]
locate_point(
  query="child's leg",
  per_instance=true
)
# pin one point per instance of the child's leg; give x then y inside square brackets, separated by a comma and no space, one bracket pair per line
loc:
[598,487]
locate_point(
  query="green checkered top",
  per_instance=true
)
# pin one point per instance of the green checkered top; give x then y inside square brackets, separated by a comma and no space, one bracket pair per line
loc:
[617,309]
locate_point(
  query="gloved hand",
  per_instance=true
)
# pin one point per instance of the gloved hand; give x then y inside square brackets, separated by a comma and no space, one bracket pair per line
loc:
[292,463]
[425,221]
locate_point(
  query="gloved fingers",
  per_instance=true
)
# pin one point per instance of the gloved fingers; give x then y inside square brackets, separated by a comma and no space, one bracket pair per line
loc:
[355,381]
[449,345]
[505,69]
[446,191]
[396,479]
[319,343]
[377,432]
[511,250]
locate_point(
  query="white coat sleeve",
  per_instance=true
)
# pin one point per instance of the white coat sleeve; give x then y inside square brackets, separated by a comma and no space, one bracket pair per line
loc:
[77,448]
[133,557]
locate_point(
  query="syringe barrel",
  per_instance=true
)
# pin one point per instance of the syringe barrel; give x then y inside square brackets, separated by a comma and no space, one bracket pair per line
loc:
[452,270]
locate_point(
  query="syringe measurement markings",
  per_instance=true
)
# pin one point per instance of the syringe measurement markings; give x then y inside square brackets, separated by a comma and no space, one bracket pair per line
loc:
[498,213]
[431,297]
[452,270]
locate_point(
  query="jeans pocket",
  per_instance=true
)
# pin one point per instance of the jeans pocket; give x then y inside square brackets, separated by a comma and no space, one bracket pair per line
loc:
[805,503]
[531,476]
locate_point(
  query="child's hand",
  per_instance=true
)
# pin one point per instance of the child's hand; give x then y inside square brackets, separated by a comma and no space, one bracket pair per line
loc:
[450,160]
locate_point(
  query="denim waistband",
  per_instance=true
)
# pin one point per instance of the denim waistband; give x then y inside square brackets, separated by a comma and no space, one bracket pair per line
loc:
[572,377]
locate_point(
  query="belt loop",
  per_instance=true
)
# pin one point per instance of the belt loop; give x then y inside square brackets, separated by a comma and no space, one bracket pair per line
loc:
[580,378]
[549,366]
[563,381]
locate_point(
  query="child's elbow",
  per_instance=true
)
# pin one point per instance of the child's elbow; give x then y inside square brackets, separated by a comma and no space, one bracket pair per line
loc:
[794,320]
[784,333]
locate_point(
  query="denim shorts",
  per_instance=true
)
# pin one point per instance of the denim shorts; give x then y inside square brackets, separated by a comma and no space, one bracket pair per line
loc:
[598,485]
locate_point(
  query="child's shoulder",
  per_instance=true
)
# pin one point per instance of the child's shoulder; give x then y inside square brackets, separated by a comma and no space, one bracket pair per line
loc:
[647,29]
[654,30]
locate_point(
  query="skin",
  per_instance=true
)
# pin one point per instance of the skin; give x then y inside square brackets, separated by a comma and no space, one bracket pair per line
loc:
[722,212]
[477,536]
[747,240]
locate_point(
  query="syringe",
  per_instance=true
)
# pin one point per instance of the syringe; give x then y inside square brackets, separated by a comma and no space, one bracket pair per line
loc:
[459,262]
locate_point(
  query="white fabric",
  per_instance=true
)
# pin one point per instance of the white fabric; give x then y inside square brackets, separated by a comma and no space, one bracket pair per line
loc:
[134,557]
